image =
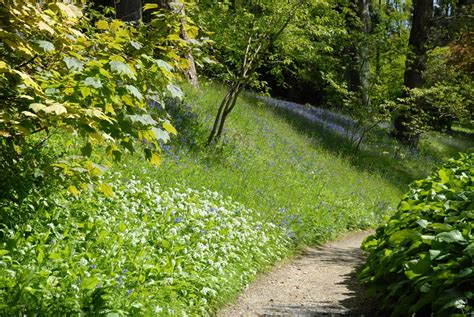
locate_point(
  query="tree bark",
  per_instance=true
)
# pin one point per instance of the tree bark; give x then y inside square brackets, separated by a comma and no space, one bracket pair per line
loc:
[364,73]
[414,67]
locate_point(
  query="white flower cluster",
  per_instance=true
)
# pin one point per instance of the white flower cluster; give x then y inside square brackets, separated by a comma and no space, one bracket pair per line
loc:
[197,245]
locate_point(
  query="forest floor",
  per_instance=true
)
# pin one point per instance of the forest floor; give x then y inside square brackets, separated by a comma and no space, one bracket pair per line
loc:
[319,281]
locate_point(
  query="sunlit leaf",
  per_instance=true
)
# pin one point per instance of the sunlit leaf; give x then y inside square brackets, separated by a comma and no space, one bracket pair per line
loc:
[46,46]
[134,91]
[106,189]
[155,159]
[168,127]
[102,25]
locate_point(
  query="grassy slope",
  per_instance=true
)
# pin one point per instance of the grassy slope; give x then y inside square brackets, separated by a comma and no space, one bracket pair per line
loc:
[271,165]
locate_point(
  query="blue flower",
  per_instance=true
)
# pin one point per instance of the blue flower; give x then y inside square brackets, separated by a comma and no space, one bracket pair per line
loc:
[178,220]
[129,292]
[124,271]
[120,281]
[93,266]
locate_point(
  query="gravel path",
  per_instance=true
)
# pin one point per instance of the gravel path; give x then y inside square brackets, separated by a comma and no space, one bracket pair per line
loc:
[320,281]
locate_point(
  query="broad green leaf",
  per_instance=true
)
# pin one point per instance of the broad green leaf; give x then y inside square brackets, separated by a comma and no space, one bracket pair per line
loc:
[155,159]
[122,69]
[164,65]
[145,119]
[46,46]
[73,63]
[443,176]
[70,10]
[175,91]
[89,283]
[73,190]
[469,250]
[37,107]
[402,236]
[102,25]
[93,82]
[136,45]
[161,134]
[134,91]
[452,236]
[56,108]
[168,127]
[107,190]
[4,67]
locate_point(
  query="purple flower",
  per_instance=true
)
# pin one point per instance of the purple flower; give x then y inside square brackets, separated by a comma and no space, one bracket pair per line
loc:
[93,266]
[178,220]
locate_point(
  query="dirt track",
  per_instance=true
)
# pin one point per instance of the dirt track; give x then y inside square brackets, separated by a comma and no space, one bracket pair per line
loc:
[318,282]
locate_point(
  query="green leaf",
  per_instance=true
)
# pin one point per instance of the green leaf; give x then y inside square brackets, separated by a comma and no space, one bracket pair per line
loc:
[452,236]
[4,67]
[46,46]
[175,91]
[134,91]
[73,190]
[56,108]
[93,82]
[89,283]
[102,25]
[122,69]
[402,236]
[155,159]
[168,127]
[469,250]
[149,6]
[164,65]
[106,189]
[73,63]
[145,119]
[136,45]
[161,134]
[443,176]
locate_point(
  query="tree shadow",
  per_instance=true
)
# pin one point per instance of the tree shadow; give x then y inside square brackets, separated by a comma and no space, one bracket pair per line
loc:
[355,302]
[392,168]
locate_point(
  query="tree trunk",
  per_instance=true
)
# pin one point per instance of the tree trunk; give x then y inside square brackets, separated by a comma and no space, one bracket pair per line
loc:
[128,10]
[414,68]
[364,73]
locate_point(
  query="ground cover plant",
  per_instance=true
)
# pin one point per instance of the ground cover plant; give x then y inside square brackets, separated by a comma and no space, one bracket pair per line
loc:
[148,251]
[421,260]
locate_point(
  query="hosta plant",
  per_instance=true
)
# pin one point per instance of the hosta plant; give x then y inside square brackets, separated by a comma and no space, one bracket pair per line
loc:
[422,259]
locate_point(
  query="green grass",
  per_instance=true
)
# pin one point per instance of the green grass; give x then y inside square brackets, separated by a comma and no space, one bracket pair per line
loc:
[270,165]
[293,171]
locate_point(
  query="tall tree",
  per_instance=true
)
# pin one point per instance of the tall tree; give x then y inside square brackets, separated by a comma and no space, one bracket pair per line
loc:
[414,68]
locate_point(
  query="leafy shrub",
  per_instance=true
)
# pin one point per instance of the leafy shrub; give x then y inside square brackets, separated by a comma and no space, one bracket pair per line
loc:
[421,260]
[148,251]
[61,71]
